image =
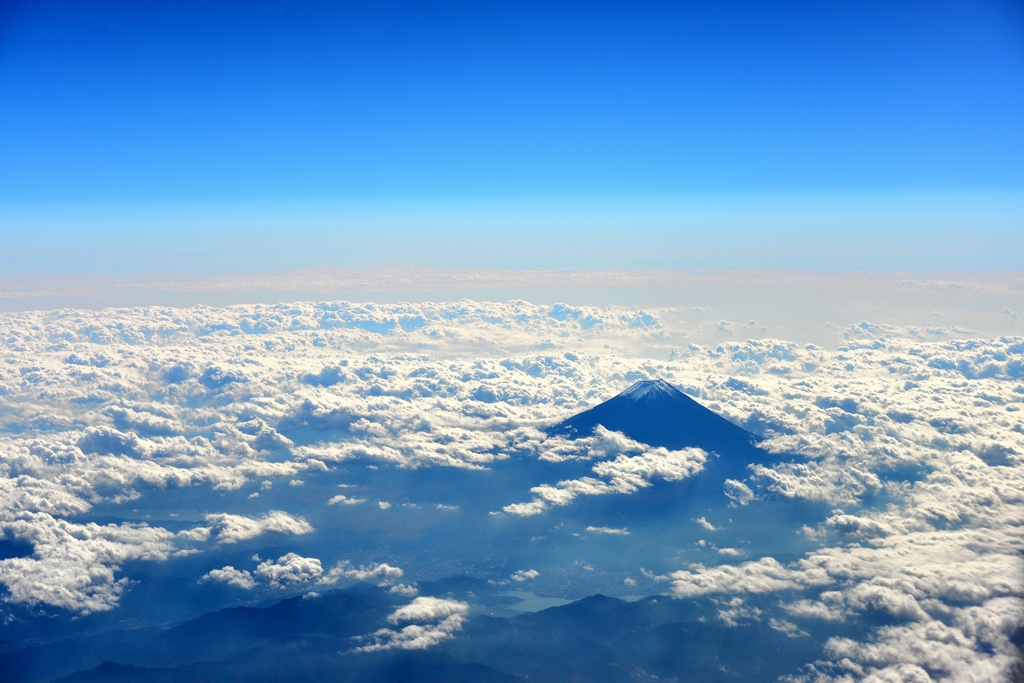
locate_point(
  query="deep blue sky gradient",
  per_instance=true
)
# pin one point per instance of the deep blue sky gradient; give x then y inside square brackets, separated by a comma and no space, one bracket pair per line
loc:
[155,109]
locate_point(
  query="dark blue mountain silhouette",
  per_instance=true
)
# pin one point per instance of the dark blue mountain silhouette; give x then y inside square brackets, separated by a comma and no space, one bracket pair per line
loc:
[228,632]
[598,639]
[658,414]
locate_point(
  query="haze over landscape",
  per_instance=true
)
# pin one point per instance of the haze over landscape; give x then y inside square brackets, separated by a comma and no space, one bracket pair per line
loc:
[385,342]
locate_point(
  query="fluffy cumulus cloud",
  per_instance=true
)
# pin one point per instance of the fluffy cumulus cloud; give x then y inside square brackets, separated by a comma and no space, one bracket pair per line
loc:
[73,565]
[231,576]
[293,570]
[382,573]
[433,621]
[227,528]
[289,569]
[912,438]
[342,499]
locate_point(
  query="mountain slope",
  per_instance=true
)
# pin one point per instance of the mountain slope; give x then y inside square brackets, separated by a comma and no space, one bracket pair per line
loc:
[658,414]
[226,633]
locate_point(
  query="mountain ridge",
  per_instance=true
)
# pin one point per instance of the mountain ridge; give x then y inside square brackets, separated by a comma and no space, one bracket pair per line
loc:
[597,638]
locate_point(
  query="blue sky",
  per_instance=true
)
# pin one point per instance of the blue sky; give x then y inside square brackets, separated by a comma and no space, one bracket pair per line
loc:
[152,136]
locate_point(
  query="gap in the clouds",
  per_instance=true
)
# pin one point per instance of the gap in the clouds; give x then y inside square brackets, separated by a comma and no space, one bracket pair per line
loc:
[910,473]
[597,634]
[14,548]
[530,601]
[306,426]
[438,523]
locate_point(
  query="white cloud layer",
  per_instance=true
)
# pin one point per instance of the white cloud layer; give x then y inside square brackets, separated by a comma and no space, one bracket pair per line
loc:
[102,407]
[633,468]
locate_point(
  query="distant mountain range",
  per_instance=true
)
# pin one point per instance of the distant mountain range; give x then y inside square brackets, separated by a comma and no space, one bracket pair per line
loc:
[598,639]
